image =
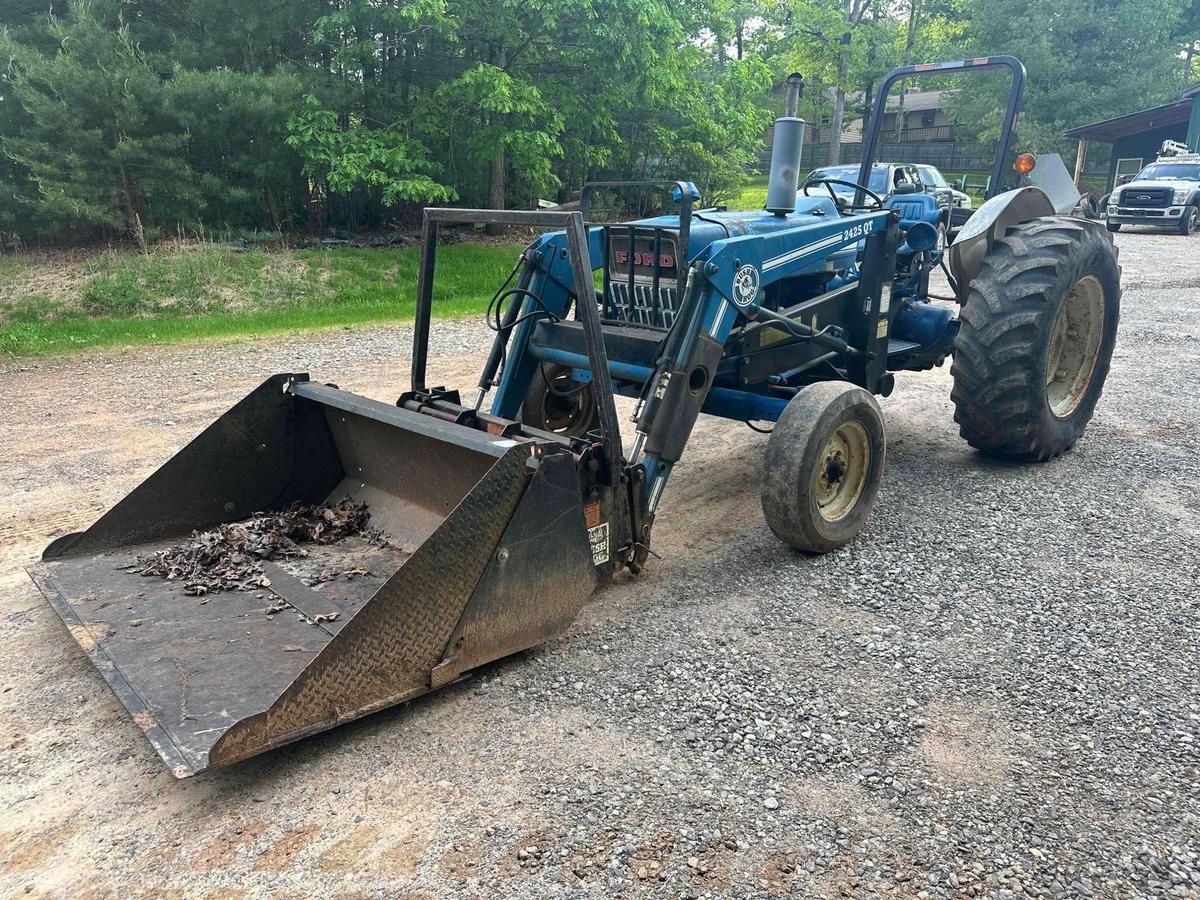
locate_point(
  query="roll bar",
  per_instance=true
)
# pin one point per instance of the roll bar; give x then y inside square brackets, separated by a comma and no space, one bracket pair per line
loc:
[875,127]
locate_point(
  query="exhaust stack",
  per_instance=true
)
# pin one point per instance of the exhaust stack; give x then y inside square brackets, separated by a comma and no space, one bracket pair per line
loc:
[785,153]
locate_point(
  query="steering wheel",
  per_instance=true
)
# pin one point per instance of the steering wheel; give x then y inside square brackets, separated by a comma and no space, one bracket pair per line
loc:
[839,203]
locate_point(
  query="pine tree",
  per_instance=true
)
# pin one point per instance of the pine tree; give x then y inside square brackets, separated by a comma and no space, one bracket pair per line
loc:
[98,140]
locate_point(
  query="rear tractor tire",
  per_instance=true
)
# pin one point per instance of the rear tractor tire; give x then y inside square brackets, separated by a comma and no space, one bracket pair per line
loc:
[557,402]
[823,465]
[1036,340]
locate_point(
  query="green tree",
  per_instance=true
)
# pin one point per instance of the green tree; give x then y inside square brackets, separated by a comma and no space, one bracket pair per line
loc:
[842,47]
[1078,58]
[501,122]
[98,140]
[118,112]
[236,125]
[714,150]
[344,156]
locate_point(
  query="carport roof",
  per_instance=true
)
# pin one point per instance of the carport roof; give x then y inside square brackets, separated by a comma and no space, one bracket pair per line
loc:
[1133,123]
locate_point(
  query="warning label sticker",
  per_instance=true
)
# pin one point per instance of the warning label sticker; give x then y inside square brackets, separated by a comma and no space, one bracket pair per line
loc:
[598,537]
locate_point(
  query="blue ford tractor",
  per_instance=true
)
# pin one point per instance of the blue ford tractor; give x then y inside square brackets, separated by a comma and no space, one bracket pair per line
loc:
[499,520]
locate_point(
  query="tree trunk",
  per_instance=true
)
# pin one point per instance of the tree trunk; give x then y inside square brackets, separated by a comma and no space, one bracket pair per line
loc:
[910,40]
[868,106]
[272,207]
[496,186]
[406,74]
[132,220]
[839,104]
[326,53]
[853,11]
[368,62]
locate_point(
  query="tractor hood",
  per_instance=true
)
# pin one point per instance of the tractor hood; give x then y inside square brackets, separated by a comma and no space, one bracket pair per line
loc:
[715,225]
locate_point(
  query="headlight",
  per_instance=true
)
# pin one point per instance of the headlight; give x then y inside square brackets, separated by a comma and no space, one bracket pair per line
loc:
[1181,195]
[1115,199]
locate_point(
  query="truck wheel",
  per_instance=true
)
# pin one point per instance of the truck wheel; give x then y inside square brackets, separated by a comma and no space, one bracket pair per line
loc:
[822,468]
[1188,224]
[557,402]
[1036,339]
[1114,227]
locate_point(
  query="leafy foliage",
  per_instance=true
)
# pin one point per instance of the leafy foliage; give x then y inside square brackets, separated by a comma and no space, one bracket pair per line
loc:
[1078,59]
[122,117]
[353,156]
[489,111]
[99,143]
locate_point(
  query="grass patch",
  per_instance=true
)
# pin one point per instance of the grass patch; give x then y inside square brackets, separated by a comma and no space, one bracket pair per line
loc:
[753,194]
[177,293]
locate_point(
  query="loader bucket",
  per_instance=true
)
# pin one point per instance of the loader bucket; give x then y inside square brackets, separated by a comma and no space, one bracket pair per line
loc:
[486,554]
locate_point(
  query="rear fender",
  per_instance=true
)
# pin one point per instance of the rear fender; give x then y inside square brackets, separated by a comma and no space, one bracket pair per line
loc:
[990,222]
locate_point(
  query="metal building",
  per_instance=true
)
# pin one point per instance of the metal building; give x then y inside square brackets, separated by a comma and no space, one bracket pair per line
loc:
[1137,136]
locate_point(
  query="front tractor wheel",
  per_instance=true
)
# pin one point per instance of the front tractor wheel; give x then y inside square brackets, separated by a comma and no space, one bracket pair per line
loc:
[823,464]
[1036,339]
[556,402]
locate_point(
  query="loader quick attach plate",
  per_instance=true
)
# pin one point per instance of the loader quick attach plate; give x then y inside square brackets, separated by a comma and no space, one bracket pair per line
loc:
[486,554]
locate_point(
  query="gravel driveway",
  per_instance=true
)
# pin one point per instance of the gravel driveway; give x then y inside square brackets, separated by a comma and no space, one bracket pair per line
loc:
[994,690]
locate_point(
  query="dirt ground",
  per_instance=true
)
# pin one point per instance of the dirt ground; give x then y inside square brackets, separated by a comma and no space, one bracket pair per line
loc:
[446,796]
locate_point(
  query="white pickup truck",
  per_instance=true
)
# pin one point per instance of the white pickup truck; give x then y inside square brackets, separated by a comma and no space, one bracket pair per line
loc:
[1165,193]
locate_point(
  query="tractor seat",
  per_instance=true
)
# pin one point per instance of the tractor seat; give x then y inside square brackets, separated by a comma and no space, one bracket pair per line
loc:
[914,208]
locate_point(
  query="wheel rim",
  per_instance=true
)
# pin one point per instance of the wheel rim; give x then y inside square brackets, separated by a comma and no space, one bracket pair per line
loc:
[566,403]
[842,469]
[1075,346]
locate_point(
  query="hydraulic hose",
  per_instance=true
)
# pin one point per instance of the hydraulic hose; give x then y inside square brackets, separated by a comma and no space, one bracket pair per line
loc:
[799,329]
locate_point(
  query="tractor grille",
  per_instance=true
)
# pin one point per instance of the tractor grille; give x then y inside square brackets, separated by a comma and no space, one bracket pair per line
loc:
[1147,198]
[642,309]
[641,275]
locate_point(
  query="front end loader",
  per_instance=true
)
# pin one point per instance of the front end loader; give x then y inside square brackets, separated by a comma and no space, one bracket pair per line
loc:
[491,527]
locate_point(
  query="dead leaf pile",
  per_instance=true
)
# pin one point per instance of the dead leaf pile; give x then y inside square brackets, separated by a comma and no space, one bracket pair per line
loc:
[228,558]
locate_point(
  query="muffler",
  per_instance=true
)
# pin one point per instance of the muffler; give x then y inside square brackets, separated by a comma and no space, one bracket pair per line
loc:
[486,553]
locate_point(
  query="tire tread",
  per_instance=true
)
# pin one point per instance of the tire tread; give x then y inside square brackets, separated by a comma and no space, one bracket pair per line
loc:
[1005,323]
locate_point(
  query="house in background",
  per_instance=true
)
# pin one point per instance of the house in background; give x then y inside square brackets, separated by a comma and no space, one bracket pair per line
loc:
[922,119]
[921,132]
[1137,136]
